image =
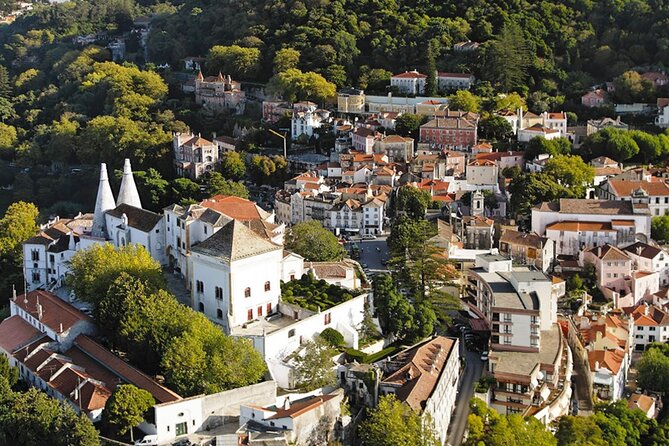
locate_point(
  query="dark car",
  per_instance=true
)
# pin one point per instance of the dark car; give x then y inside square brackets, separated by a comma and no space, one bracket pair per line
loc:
[182,442]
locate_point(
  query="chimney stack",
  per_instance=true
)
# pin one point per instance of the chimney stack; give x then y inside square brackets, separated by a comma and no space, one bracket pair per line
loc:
[286,404]
[128,193]
[103,203]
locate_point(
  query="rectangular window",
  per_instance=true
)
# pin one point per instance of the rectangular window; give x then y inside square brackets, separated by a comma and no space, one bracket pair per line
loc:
[269,308]
[181,428]
[199,286]
[260,311]
[219,293]
[249,314]
[328,318]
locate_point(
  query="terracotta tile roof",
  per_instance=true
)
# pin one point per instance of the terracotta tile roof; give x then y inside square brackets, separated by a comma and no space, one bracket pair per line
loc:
[434,185]
[587,206]
[482,146]
[662,102]
[558,115]
[481,162]
[325,270]
[141,219]
[608,252]
[459,123]
[610,359]
[624,188]
[458,75]
[654,76]
[538,128]
[641,401]
[410,75]
[531,239]
[603,160]
[496,156]
[599,93]
[198,142]
[580,226]
[236,207]
[120,368]
[396,138]
[16,333]
[420,371]
[235,241]
[299,407]
[55,312]
[622,223]
[365,132]
[643,250]
[607,171]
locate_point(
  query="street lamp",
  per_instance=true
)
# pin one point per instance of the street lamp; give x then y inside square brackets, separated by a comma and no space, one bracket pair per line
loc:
[284,141]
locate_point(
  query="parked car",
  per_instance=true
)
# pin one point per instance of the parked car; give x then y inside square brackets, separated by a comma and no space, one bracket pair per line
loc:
[182,442]
[147,440]
[484,356]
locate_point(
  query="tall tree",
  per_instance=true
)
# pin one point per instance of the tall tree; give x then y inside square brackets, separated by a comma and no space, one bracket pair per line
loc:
[508,58]
[572,172]
[126,407]
[464,100]
[233,166]
[393,423]
[285,59]
[238,62]
[17,225]
[315,368]
[431,85]
[215,184]
[93,270]
[313,242]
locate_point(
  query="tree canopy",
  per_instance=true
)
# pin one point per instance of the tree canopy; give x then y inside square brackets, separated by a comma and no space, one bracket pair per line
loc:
[393,423]
[313,242]
[126,406]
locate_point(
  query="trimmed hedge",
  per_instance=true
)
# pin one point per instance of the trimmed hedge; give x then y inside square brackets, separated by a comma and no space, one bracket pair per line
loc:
[361,357]
[332,337]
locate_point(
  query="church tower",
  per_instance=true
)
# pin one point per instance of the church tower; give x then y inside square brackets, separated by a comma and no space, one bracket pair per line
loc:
[103,203]
[128,193]
[477,203]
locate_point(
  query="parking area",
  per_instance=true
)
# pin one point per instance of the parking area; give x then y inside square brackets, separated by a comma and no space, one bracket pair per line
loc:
[373,254]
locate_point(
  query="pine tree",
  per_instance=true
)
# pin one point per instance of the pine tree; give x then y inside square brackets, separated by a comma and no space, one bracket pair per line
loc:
[431,81]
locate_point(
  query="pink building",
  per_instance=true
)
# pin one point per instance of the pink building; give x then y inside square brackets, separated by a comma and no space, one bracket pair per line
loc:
[612,265]
[594,98]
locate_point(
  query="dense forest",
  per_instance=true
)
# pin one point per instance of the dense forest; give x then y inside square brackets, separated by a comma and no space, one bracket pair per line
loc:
[64,103]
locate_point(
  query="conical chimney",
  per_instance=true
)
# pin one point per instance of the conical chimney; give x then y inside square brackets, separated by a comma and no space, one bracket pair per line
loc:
[103,203]
[128,193]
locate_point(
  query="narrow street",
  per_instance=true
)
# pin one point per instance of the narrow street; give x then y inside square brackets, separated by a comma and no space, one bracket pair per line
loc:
[468,380]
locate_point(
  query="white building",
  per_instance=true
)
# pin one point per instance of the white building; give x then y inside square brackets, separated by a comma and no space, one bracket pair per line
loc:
[537,130]
[556,121]
[235,276]
[454,81]
[306,119]
[119,222]
[655,193]
[528,352]
[409,82]
[650,258]
[650,324]
[426,377]
[193,155]
[367,218]
[636,215]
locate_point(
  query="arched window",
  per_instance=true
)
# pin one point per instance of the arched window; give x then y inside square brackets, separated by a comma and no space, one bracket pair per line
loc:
[247,292]
[268,286]
[201,307]
[219,313]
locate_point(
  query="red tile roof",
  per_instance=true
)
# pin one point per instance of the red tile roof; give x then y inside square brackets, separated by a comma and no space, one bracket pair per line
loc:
[410,75]
[57,314]
[625,188]
[235,207]
[15,333]
[124,370]
[422,367]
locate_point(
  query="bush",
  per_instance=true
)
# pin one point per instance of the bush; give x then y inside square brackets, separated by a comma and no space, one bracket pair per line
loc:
[355,355]
[333,337]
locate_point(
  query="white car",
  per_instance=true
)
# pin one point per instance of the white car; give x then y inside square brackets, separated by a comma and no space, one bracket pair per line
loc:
[484,356]
[148,440]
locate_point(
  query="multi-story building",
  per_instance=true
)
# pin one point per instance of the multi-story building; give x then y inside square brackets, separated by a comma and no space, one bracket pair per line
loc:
[363,139]
[649,258]
[456,130]
[538,130]
[193,155]
[655,193]
[611,264]
[528,248]
[650,324]
[529,360]
[426,378]
[556,121]
[595,125]
[219,93]
[409,82]
[594,98]
[306,118]
[354,216]
[573,236]
[482,172]
[454,81]
[630,219]
[397,148]
[351,100]
[120,222]
[235,275]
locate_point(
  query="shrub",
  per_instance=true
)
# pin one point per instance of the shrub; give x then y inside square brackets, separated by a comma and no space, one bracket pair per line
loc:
[333,337]
[355,355]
